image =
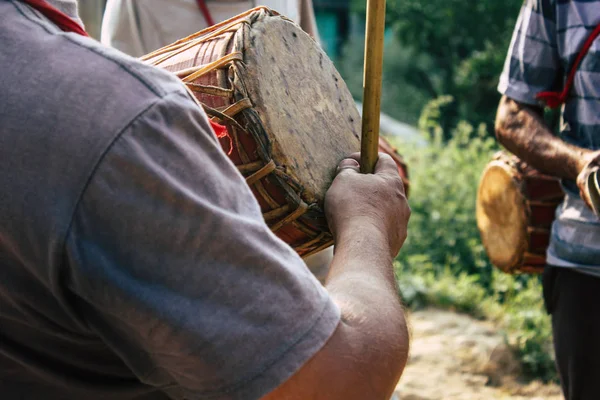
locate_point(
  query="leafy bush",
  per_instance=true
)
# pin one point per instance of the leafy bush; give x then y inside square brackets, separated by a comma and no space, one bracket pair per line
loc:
[526,322]
[444,178]
[446,47]
[443,262]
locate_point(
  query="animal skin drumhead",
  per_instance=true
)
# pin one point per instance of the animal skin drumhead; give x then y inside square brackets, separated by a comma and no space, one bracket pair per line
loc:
[501,216]
[302,102]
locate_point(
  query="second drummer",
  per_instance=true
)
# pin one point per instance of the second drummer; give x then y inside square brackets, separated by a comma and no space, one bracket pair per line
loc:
[543,42]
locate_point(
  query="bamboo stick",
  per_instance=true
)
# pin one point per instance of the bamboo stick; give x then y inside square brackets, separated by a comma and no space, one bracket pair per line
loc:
[372,84]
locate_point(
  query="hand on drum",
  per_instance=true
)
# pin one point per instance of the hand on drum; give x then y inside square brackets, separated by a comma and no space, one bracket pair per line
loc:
[377,200]
[589,191]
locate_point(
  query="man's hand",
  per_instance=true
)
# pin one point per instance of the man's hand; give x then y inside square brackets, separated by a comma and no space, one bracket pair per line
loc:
[376,200]
[592,163]
[366,355]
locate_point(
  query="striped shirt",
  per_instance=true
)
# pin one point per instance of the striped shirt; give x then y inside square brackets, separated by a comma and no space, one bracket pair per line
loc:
[546,41]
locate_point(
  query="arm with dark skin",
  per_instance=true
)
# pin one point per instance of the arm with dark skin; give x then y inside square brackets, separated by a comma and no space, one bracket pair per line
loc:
[366,355]
[522,130]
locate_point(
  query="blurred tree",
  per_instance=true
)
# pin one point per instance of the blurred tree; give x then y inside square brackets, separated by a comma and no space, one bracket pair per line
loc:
[403,95]
[466,41]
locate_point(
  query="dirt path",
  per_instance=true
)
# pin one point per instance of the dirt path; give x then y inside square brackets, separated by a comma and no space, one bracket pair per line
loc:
[456,357]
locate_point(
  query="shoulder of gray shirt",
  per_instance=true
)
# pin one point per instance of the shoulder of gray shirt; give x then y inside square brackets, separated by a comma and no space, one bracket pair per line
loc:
[131,85]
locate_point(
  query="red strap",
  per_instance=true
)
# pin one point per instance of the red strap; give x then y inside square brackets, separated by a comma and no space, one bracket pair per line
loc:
[206,12]
[63,21]
[555,99]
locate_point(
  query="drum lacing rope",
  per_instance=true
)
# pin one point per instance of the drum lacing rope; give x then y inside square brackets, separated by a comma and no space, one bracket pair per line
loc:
[219,130]
[191,74]
[211,90]
[301,210]
[237,107]
[220,63]
[205,34]
[261,173]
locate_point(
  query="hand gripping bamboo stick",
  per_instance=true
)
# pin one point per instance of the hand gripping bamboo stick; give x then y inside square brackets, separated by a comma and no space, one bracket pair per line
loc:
[372,84]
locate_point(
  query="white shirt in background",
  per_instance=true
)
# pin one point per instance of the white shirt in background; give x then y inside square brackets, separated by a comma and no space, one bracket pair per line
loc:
[138,27]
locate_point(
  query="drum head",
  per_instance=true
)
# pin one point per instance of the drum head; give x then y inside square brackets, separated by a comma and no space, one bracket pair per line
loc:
[303,103]
[288,115]
[502,216]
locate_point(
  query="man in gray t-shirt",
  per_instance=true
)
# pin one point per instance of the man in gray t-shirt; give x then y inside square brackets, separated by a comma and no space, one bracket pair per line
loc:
[134,260]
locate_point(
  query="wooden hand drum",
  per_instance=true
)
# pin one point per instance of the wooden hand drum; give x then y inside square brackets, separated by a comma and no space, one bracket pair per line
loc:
[515,209]
[289,116]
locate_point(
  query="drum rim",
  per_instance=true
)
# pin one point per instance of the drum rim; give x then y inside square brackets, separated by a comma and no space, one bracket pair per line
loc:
[502,162]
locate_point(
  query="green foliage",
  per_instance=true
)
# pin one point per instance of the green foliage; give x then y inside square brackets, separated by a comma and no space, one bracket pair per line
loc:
[432,114]
[451,30]
[476,80]
[443,193]
[464,43]
[443,262]
[443,288]
[404,93]
[524,318]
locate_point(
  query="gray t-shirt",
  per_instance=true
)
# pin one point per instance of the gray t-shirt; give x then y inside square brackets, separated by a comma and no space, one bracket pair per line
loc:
[134,261]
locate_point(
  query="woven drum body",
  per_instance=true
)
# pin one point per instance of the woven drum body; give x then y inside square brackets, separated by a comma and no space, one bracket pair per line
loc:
[515,209]
[289,116]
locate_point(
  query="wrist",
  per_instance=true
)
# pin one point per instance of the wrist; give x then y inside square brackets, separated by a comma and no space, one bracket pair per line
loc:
[364,235]
[587,159]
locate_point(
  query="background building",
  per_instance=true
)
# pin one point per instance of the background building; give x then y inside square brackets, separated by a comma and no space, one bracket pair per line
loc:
[334,22]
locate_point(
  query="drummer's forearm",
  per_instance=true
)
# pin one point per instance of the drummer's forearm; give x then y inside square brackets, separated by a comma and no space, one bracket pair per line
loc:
[522,130]
[366,354]
[362,251]
[361,281]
